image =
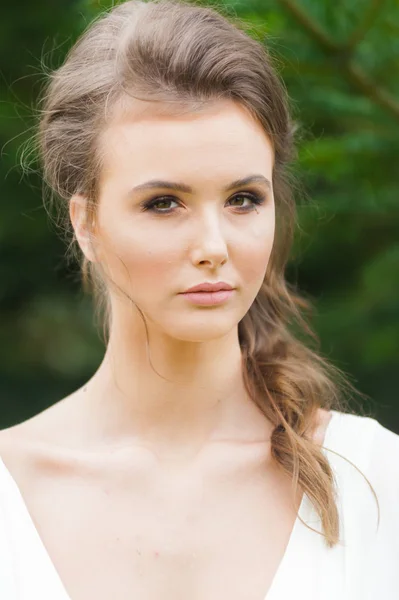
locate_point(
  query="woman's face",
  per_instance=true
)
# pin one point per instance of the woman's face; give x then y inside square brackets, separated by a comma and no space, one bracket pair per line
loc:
[205,233]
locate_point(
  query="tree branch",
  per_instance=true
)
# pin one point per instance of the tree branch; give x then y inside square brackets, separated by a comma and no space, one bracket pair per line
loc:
[366,23]
[316,31]
[364,83]
[344,53]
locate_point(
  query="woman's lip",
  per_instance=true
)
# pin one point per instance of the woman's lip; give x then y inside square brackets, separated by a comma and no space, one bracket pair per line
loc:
[207,291]
[208,298]
[206,286]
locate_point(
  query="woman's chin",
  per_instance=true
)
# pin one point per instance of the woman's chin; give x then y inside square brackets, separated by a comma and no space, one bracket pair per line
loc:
[203,330]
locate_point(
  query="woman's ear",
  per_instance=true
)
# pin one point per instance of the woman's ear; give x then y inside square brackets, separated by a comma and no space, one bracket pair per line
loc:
[81,224]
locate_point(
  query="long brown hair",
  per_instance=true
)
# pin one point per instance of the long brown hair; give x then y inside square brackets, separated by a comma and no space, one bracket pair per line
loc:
[183,55]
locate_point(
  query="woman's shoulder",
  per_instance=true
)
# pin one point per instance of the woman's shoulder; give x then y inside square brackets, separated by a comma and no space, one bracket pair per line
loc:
[372,448]
[365,436]
[38,434]
[381,438]
[384,460]
[382,471]
[28,448]
[16,455]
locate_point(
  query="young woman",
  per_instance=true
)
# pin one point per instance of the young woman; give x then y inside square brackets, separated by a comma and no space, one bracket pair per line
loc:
[210,456]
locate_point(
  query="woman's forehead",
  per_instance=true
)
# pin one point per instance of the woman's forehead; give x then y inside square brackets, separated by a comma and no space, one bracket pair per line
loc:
[224,134]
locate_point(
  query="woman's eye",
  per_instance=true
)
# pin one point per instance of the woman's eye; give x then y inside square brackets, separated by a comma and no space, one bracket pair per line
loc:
[158,201]
[254,199]
[157,205]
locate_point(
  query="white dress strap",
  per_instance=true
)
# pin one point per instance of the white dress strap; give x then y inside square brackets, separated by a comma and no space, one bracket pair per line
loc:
[354,440]
[27,572]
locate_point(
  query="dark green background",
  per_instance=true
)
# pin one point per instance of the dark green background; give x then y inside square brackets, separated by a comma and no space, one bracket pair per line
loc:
[340,63]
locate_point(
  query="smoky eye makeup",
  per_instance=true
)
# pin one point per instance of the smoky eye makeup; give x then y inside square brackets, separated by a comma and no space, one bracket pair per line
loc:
[249,201]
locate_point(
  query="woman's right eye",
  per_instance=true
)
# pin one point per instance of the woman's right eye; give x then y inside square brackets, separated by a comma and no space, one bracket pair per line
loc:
[151,204]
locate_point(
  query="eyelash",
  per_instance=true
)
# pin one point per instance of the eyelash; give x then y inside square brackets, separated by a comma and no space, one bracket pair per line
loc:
[256,199]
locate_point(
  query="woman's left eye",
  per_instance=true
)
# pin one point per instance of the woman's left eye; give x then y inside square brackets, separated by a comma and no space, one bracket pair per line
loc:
[150,205]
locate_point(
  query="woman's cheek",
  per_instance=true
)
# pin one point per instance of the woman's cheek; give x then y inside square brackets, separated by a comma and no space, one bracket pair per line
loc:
[149,267]
[255,259]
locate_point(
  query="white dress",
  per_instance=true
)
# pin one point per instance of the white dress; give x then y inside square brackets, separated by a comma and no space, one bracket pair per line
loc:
[363,566]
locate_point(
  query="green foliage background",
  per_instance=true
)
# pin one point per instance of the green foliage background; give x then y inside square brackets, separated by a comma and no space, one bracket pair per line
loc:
[340,63]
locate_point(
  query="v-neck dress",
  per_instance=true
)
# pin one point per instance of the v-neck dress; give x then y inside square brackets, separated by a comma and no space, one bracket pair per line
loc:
[364,565]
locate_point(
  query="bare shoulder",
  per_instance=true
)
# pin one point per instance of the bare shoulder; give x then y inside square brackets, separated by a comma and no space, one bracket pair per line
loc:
[13,439]
[29,446]
[322,421]
[15,452]
[44,427]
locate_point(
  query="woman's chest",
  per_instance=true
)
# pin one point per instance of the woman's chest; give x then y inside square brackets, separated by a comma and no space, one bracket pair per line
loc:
[167,538]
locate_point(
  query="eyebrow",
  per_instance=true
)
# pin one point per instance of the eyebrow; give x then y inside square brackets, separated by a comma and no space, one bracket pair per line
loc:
[182,187]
